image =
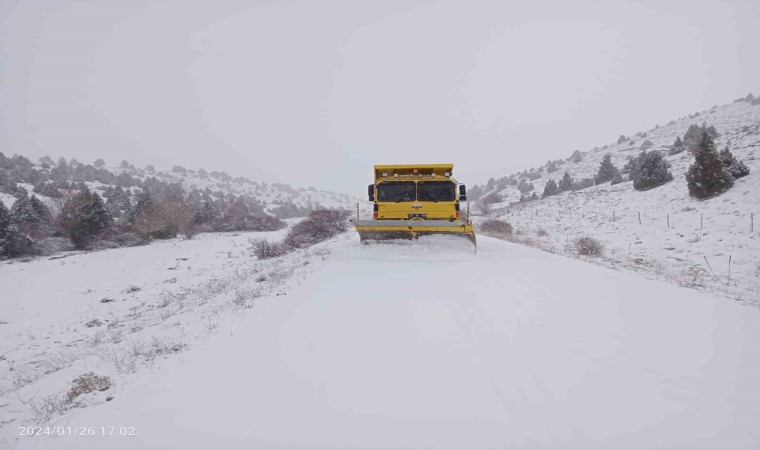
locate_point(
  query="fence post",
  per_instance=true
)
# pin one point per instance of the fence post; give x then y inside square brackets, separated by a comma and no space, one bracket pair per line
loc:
[639,217]
[613,215]
[751,222]
[668,221]
[357,211]
[701,221]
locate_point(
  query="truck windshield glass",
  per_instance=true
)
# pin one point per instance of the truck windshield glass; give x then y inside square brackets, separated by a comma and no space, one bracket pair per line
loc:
[395,191]
[435,191]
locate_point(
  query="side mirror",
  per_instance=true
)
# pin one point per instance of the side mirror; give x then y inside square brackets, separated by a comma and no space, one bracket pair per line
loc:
[371,192]
[462,192]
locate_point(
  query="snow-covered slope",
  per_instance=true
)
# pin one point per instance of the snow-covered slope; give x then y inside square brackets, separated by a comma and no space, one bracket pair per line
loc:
[271,196]
[663,231]
[269,193]
[428,346]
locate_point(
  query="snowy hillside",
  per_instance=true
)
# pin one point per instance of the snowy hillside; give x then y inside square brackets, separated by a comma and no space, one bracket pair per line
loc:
[271,195]
[663,231]
[350,346]
[277,199]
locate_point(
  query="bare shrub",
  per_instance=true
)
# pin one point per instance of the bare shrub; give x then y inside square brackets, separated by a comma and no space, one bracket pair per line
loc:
[86,383]
[496,227]
[243,297]
[542,232]
[162,347]
[127,239]
[321,225]
[588,246]
[124,360]
[54,363]
[265,249]
[128,358]
[44,408]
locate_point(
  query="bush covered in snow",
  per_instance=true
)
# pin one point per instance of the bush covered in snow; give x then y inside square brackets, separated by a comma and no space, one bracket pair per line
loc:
[736,168]
[319,226]
[649,170]
[266,249]
[588,246]
[495,227]
[86,383]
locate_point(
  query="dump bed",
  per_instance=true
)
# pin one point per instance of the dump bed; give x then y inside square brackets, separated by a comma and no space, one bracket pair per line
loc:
[410,170]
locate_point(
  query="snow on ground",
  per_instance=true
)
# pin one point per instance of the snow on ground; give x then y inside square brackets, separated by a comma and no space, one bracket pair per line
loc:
[663,231]
[7,199]
[120,309]
[430,346]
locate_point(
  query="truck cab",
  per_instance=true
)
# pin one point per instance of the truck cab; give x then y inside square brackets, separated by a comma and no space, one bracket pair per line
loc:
[416,192]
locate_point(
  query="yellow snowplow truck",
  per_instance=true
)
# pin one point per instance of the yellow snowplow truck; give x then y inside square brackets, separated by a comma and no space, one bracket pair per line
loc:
[413,200]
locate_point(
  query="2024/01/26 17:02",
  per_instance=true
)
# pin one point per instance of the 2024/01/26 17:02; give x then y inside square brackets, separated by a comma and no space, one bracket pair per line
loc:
[76,431]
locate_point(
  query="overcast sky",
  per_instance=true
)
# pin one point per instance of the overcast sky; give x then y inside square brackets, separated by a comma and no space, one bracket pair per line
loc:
[316,92]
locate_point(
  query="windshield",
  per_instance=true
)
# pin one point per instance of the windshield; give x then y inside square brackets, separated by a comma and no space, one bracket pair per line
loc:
[396,191]
[435,191]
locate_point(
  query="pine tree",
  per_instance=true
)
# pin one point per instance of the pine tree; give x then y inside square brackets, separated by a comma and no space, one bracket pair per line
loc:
[31,216]
[566,183]
[707,176]
[678,146]
[83,217]
[205,213]
[118,202]
[12,241]
[736,168]
[576,157]
[41,211]
[693,135]
[551,188]
[144,202]
[607,170]
[650,171]
[524,186]
[22,211]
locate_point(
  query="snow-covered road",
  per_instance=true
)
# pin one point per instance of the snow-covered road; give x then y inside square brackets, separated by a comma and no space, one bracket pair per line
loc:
[425,346]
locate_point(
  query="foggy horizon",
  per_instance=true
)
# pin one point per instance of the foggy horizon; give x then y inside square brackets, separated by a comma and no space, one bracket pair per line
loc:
[315,94]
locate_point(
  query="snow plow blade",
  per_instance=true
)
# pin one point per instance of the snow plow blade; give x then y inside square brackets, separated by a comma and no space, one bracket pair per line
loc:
[383,230]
